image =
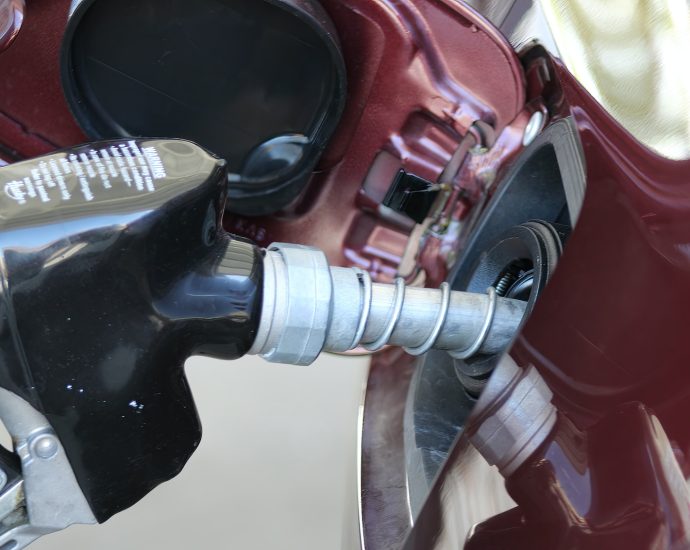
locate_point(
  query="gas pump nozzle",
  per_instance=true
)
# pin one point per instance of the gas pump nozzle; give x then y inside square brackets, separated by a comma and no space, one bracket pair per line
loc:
[115,269]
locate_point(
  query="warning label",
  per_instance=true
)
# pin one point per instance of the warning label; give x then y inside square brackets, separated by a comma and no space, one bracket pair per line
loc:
[89,173]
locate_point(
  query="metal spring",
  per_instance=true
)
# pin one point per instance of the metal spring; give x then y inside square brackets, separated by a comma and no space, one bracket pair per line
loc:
[398,302]
[505,283]
[484,332]
[365,281]
[430,342]
[438,326]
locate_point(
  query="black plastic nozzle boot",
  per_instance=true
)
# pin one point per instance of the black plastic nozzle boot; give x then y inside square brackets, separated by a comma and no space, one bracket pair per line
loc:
[115,269]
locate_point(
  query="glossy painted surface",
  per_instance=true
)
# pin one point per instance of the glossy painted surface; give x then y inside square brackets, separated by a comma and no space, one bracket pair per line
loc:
[115,270]
[628,256]
[564,494]
[411,99]
[34,118]
[628,340]
[384,509]
[610,329]
[11,18]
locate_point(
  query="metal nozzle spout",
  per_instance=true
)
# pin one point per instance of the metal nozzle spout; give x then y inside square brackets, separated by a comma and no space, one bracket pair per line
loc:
[310,307]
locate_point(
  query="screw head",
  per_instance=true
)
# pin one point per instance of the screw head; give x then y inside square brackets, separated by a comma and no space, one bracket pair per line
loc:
[534,127]
[45,446]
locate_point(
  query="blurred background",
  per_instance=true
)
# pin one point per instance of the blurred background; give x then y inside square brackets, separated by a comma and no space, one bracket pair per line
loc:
[625,52]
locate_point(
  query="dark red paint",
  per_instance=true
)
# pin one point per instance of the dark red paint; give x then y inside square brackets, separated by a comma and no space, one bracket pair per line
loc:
[609,337]
[34,117]
[611,328]
[565,497]
[11,19]
[627,341]
[414,92]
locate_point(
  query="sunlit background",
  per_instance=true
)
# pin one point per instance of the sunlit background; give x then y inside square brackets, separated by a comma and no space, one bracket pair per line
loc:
[633,56]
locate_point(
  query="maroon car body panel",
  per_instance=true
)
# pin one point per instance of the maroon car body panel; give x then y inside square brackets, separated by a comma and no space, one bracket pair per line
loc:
[620,295]
[611,328]
[611,331]
[609,336]
[11,19]
[34,117]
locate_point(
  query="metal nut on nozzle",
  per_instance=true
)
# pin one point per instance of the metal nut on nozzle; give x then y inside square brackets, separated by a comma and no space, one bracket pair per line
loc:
[513,417]
[297,305]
